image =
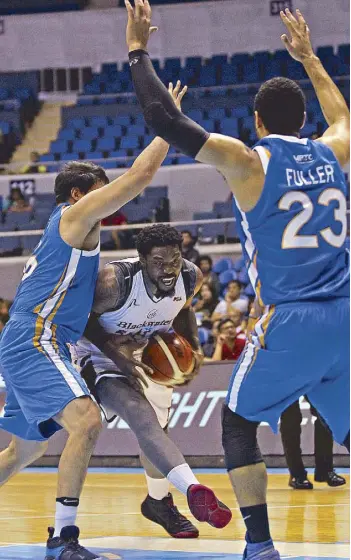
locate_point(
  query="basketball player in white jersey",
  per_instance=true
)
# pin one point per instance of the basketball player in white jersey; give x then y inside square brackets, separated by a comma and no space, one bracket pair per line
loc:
[134,300]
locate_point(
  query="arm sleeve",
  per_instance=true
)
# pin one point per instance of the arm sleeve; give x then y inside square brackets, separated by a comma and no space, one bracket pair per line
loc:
[160,112]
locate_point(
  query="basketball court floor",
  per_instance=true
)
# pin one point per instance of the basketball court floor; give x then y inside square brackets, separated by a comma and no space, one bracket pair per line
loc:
[305,524]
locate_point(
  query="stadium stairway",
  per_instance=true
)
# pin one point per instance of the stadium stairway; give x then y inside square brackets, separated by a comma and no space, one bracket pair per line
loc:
[43,130]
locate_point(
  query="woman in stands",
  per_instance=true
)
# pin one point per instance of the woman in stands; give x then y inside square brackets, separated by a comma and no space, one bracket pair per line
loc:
[206,304]
[16,202]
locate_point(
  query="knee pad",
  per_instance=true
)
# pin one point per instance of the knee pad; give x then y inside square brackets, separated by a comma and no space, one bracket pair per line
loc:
[239,438]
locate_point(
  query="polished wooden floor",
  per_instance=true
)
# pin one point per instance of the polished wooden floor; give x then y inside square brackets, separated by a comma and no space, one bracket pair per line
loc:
[110,506]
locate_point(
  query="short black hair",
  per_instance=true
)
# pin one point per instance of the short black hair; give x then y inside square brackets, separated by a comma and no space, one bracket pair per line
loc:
[80,174]
[188,232]
[237,282]
[204,258]
[158,235]
[224,321]
[281,105]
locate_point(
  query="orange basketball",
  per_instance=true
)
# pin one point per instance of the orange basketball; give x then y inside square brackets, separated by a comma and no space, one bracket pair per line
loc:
[170,356]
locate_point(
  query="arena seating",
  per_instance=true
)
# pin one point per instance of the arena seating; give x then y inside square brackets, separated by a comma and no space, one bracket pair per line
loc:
[8,7]
[91,129]
[19,105]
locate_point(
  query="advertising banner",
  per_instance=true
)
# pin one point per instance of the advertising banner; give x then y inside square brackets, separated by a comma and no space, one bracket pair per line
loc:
[195,423]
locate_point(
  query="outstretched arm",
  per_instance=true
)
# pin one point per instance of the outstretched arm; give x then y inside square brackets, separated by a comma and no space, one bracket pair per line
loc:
[229,155]
[333,105]
[96,205]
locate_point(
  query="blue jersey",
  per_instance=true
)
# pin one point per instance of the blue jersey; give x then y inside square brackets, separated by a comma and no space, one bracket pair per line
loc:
[58,283]
[294,238]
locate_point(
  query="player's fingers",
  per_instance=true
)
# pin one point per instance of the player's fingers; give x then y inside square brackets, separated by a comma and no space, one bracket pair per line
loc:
[182,93]
[147,8]
[286,41]
[139,7]
[286,22]
[290,16]
[300,18]
[129,8]
[170,88]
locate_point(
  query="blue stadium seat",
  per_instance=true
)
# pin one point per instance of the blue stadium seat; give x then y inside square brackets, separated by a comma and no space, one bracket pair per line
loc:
[344,53]
[89,133]
[243,276]
[118,153]
[193,62]
[223,209]
[47,157]
[195,115]
[75,123]
[229,127]
[248,122]
[109,164]
[45,200]
[107,100]
[231,231]
[19,219]
[81,145]
[136,130]
[94,155]
[59,146]
[109,68]
[239,264]
[204,335]
[262,57]
[281,54]
[251,72]
[74,156]
[156,193]
[114,87]
[173,64]
[129,142]
[216,113]
[226,276]
[169,161]
[308,130]
[5,127]
[240,111]
[240,58]
[271,70]
[207,76]
[4,94]
[113,131]
[325,52]
[208,124]
[212,230]
[123,120]
[67,134]
[219,59]
[148,139]
[295,70]
[229,74]
[106,144]
[98,121]
[85,101]
[222,265]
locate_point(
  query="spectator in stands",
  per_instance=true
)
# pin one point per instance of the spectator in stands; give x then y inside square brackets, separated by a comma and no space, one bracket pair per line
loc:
[34,166]
[206,304]
[4,311]
[188,251]
[16,202]
[116,219]
[205,264]
[231,339]
[232,300]
[209,348]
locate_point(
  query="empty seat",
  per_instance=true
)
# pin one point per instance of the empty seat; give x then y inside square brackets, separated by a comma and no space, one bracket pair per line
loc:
[129,142]
[82,145]
[85,101]
[112,164]
[240,58]
[222,265]
[344,53]
[136,130]
[156,192]
[229,74]
[295,70]
[74,156]
[89,133]
[123,120]
[75,123]
[113,131]
[98,121]
[118,153]
[229,127]
[67,134]
[195,115]
[251,72]
[272,69]
[231,231]
[148,139]
[183,160]
[94,155]
[324,52]
[216,113]
[226,276]
[209,125]
[59,146]
[203,216]
[47,157]
[248,122]
[106,144]
[308,130]
[207,77]
[219,59]
[241,111]
[212,230]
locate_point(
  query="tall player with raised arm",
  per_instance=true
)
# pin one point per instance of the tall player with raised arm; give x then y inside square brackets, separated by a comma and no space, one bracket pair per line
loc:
[51,308]
[290,205]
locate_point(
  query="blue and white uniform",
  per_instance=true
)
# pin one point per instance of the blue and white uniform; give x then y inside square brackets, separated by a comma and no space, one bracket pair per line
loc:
[294,241]
[50,311]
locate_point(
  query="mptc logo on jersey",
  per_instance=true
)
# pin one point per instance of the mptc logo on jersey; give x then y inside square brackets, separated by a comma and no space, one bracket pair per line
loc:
[152,314]
[303,158]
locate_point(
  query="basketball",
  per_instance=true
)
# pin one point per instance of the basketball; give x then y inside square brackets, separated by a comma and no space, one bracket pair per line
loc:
[171,358]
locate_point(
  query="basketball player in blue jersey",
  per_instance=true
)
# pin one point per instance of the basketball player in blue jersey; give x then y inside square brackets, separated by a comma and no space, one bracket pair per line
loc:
[290,204]
[51,308]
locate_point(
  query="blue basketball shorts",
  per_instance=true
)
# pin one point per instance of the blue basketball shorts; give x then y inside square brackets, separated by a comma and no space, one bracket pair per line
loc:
[39,377]
[296,349]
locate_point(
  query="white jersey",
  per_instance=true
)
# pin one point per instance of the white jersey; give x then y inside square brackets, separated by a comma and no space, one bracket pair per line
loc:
[141,315]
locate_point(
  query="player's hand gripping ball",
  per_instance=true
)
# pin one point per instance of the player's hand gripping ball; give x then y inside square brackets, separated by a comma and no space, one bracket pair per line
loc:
[170,357]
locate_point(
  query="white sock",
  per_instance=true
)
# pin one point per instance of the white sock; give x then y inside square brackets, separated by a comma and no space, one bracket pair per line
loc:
[65,515]
[182,477]
[158,488]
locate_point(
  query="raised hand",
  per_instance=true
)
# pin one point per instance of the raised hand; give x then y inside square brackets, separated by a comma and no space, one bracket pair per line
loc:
[139,24]
[177,94]
[298,44]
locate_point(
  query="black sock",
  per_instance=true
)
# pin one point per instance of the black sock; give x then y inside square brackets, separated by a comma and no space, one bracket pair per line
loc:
[257,524]
[347,442]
